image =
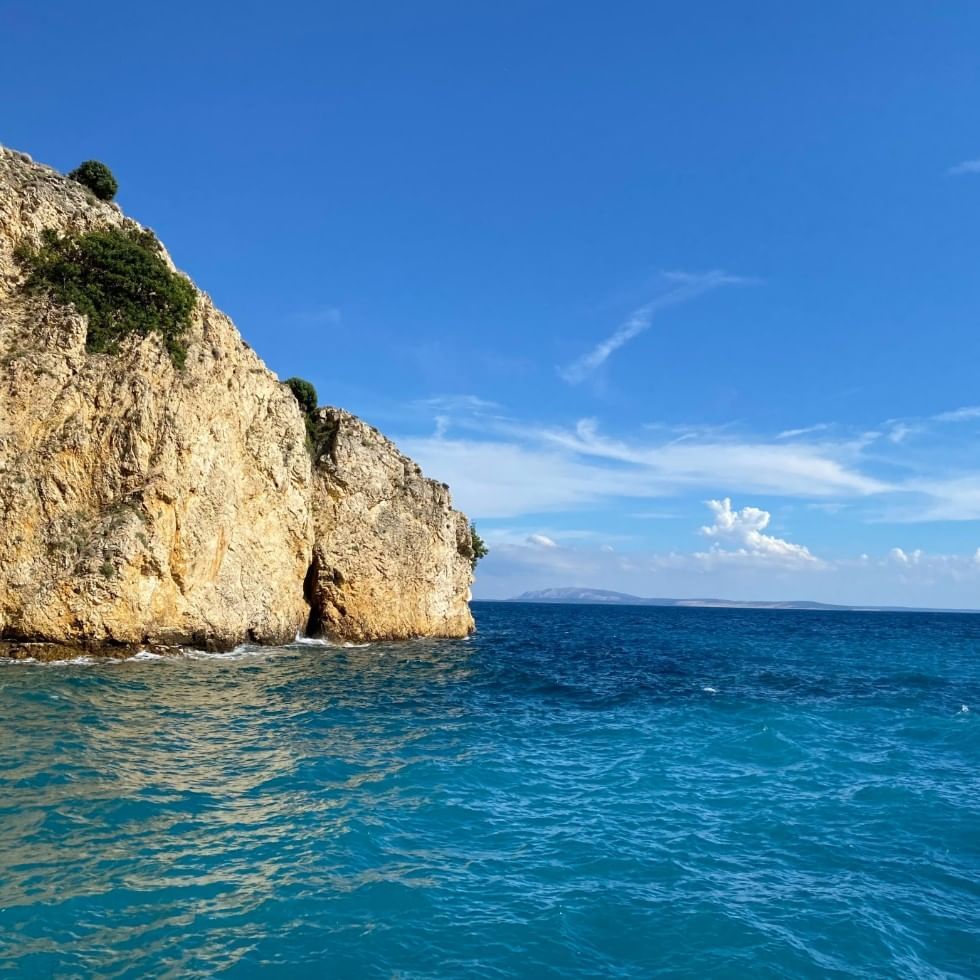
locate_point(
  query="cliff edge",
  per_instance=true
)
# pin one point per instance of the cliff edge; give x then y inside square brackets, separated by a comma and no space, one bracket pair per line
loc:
[142,502]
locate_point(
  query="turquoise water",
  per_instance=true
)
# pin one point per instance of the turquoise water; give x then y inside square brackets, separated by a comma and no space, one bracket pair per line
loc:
[575,791]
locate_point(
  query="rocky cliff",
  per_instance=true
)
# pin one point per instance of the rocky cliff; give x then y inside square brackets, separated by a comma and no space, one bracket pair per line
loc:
[145,503]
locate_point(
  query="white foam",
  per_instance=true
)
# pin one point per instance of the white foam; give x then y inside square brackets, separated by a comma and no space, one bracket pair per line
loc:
[710,690]
[238,653]
[311,641]
[147,655]
[319,641]
[964,709]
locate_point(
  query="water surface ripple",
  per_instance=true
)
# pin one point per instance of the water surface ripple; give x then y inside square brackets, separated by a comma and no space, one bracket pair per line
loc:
[575,791]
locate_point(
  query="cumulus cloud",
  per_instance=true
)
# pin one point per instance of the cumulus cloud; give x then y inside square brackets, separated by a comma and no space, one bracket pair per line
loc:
[683,287]
[738,533]
[744,562]
[901,557]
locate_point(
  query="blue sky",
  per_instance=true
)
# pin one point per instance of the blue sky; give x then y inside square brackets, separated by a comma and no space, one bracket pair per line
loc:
[594,265]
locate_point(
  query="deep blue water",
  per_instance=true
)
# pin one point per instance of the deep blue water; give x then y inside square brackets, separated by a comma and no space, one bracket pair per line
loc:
[575,791]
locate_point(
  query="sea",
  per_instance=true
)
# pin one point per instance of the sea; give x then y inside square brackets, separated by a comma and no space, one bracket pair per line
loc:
[574,791]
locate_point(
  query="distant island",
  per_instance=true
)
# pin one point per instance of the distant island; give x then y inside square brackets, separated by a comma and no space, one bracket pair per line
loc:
[604,597]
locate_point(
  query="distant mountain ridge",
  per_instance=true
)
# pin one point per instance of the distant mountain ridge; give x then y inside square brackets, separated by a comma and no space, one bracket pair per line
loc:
[606,597]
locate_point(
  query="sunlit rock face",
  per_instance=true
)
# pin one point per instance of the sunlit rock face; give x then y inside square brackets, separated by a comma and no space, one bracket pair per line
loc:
[391,557]
[142,503]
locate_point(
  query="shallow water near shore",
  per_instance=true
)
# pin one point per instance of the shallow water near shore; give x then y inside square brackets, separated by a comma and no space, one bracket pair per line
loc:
[575,790]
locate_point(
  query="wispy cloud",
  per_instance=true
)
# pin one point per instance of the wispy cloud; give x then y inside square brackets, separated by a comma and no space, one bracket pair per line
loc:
[955,498]
[321,316]
[754,465]
[898,431]
[501,467]
[541,541]
[966,414]
[965,167]
[805,431]
[683,286]
[903,430]
[459,403]
[447,408]
[517,469]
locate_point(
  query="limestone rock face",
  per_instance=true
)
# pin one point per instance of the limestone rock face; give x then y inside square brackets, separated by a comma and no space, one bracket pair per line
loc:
[142,503]
[391,557]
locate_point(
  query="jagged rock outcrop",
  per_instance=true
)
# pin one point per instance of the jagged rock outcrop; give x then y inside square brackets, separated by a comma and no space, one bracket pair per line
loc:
[143,503]
[382,531]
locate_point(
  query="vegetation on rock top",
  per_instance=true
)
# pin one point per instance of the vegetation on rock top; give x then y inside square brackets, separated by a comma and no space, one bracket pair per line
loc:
[119,280]
[98,178]
[318,431]
[305,393]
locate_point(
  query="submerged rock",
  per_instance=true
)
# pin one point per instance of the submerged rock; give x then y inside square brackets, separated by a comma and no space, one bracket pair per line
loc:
[142,503]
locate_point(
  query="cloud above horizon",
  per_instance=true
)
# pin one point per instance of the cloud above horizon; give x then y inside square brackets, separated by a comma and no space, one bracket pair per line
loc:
[741,531]
[743,563]
[903,471]
[502,469]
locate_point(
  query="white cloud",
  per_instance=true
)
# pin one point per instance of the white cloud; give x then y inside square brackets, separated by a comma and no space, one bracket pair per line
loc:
[504,468]
[966,167]
[805,431]
[685,286]
[458,403]
[738,534]
[959,415]
[541,541]
[743,563]
[760,572]
[508,479]
[752,466]
[900,557]
[899,431]
[531,470]
[951,499]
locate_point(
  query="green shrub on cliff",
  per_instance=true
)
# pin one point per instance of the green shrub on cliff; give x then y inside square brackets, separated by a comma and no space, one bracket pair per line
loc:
[119,280]
[305,394]
[319,433]
[98,178]
[478,546]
